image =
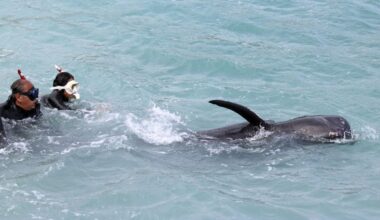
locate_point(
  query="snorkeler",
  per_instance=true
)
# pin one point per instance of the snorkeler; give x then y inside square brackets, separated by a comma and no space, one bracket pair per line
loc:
[65,89]
[21,104]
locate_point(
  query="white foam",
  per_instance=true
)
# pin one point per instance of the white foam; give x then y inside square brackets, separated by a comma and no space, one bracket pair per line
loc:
[38,195]
[21,146]
[368,133]
[112,143]
[4,151]
[157,128]
[92,144]
[68,150]
[222,149]
[66,115]
[262,134]
[15,147]
[51,140]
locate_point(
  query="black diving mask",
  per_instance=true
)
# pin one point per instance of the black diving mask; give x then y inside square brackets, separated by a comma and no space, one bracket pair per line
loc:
[32,94]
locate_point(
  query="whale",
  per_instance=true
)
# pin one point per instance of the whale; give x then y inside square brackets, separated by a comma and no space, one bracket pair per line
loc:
[311,128]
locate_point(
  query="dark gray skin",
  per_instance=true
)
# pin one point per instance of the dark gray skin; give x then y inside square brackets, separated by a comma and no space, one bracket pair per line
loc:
[316,128]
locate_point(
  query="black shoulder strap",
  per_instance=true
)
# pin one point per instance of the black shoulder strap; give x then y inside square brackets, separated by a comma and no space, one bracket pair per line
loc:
[243,111]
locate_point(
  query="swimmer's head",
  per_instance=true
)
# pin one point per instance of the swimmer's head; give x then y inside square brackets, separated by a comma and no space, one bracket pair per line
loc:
[24,94]
[64,81]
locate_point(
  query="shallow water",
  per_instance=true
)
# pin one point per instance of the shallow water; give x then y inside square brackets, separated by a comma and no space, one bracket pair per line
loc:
[147,70]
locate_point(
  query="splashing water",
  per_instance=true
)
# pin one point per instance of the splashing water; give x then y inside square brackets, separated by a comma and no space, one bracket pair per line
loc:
[368,133]
[159,127]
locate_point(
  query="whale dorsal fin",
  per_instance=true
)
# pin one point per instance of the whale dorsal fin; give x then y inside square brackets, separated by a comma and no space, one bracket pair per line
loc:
[243,111]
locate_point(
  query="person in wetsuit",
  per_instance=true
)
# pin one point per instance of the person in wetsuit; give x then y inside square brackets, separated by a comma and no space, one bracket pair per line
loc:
[21,104]
[65,88]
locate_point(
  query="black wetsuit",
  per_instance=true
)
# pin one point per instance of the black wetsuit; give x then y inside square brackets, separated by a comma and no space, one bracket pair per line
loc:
[10,110]
[2,134]
[55,99]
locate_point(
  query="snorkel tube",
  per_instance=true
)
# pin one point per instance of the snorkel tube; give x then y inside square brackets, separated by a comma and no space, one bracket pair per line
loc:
[22,77]
[58,68]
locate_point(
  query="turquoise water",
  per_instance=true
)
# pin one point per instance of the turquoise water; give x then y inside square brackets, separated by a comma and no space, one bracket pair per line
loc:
[147,70]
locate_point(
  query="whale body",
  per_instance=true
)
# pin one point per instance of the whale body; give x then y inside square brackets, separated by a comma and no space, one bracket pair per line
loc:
[315,128]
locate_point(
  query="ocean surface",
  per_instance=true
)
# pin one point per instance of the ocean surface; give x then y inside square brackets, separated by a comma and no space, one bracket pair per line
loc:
[147,70]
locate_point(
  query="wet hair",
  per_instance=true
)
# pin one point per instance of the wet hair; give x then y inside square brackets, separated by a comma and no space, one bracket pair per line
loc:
[17,86]
[62,79]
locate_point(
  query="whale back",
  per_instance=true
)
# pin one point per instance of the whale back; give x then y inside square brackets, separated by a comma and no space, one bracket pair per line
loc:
[235,131]
[316,127]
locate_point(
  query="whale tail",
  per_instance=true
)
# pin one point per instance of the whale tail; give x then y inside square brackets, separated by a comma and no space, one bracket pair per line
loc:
[243,111]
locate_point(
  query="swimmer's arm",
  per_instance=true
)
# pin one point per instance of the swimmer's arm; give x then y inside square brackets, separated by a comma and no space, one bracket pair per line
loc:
[59,106]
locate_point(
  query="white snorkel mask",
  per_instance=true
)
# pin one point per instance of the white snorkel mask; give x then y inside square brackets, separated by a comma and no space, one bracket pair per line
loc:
[72,87]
